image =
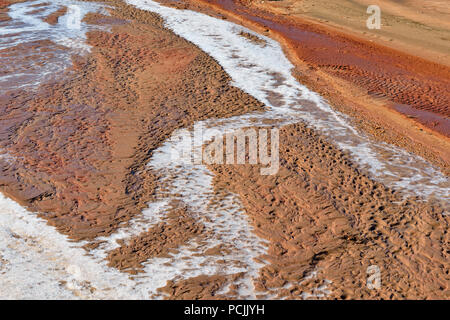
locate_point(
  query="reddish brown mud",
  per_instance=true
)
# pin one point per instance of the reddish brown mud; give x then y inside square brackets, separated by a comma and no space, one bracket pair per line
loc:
[76,150]
[80,145]
[158,241]
[359,77]
[400,77]
[53,18]
[321,214]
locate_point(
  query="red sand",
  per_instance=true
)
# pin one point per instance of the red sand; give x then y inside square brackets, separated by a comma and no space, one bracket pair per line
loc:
[383,72]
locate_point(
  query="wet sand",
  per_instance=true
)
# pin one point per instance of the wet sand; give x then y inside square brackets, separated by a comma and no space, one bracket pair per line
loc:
[141,82]
[324,216]
[413,26]
[364,79]
[78,149]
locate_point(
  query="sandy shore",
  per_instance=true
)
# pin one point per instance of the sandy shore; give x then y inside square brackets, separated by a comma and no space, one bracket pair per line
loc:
[404,96]
[140,83]
[78,148]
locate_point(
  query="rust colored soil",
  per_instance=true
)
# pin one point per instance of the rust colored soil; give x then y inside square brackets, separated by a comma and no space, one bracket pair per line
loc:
[323,215]
[76,151]
[4,8]
[5,3]
[417,26]
[158,241]
[402,78]
[80,145]
[201,287]
[53,18]
[360,78]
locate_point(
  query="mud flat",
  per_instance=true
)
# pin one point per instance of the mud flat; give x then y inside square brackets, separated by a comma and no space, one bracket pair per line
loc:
[78,145]
[387,89]
[89,152]
[413,26]
[326,219]
[301,275]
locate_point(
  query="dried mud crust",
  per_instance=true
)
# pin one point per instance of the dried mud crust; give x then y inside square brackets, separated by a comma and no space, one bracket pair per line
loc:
[76,150]
[321,214]
[372,83]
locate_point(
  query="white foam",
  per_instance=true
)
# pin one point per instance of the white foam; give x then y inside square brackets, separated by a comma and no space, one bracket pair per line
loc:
[32,67]
[35,258]
[265,72]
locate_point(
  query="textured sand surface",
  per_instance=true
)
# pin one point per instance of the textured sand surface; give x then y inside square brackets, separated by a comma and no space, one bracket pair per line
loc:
[86,152]
[415,26]
[79,145]
[321,214]
[404,96]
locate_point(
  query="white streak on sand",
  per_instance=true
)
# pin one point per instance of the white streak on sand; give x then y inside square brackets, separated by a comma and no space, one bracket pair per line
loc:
[35,63]
[35,257]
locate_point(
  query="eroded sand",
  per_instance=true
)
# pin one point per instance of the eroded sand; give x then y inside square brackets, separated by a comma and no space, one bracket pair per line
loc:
[76,152]
[321,214]
[80,145]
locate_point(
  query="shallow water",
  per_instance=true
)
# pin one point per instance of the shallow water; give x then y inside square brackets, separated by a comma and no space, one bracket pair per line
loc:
[265,73]
[38,262]
[33,51]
